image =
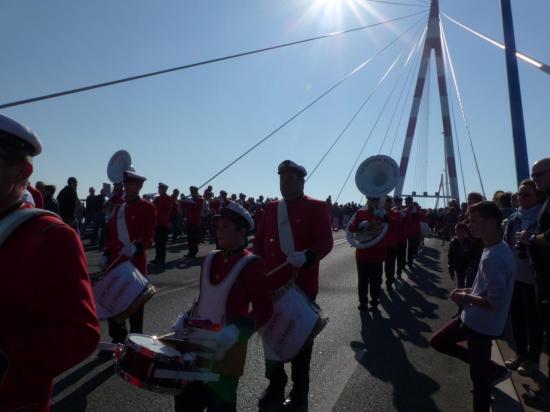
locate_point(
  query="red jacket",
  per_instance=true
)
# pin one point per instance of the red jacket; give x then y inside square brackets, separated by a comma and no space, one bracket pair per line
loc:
[249,288]
[36,196]
[194,208]
[310,223]
[394,223]
[164,205]
[47,311]
[141,222]
[413,222]
[376,253]
[401,225]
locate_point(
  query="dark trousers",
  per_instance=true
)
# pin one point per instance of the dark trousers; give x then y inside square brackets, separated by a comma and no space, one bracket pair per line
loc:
[161,239]
[175,223]
[401,255]
[542,294]
[218,396]
[412,248]
[478,355]
[193,238]
[389,265]
[275,372]
[119,331]
[526,326]
[369,274]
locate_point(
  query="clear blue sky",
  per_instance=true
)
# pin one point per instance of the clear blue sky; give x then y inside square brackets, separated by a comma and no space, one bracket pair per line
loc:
[182,127]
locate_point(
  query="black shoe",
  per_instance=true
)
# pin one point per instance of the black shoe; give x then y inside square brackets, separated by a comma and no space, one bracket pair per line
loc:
[373,305]
[272,396]
[296,402]
[362,306]
[389,286]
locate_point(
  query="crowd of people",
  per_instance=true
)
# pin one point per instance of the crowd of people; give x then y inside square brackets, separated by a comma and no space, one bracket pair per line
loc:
[498,256]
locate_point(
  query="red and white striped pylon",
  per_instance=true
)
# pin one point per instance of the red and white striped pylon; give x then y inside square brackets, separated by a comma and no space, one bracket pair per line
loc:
[432,42]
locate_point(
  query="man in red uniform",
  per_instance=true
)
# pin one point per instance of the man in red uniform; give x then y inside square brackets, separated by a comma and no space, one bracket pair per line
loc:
[393,219]
[136,219]
[163,204]
[48,320]
[193,207]
[369,260]
[294,230]
[235,276]
[37,196]
[413,230]
[401,229]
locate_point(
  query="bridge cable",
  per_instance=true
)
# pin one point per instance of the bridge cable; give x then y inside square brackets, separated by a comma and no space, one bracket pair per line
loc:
[371,131]
[406,81]
[453,117]
[188,66]
[397,3]
[526,58]
[455,81]
[326,92]
[349,123]
[422,129]
[410,88]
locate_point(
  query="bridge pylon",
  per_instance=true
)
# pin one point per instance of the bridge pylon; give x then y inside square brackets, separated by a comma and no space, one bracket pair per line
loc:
[432,42]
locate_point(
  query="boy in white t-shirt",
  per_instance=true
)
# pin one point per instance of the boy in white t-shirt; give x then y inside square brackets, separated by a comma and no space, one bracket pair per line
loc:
[486,307]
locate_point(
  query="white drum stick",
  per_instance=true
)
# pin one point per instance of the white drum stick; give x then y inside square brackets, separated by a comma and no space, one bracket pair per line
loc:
[282,265]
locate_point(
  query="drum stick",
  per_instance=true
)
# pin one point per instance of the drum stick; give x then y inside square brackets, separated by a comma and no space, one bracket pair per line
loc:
[107,346]
[282,265]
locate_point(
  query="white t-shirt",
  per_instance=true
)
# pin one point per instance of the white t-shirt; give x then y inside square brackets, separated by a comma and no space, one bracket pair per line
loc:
[495,282]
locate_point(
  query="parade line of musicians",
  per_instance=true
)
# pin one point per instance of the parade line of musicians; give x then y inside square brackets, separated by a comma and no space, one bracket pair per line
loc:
[44,263]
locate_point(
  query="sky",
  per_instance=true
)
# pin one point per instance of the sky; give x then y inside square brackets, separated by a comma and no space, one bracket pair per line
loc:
[183,127]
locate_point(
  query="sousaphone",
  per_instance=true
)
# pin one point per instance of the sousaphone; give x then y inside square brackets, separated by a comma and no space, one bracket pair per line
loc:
[120,162]
[375,178]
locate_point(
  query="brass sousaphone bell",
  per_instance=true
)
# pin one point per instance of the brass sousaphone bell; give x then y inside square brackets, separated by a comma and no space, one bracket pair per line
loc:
[120,162]
[376,176]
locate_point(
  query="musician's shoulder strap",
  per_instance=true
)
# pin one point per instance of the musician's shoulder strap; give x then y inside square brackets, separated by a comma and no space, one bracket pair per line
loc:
[285,230]
[10,223]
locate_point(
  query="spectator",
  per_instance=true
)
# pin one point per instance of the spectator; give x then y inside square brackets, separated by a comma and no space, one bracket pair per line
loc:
[462,265]
[68,203]
[539,248]
[50,203]
[486,307]
[526,328]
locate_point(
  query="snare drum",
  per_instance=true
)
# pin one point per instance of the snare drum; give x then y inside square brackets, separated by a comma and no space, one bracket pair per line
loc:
[121,292]
[147,363]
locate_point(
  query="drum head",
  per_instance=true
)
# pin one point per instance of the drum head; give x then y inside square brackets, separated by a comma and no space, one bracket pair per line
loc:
[153,345]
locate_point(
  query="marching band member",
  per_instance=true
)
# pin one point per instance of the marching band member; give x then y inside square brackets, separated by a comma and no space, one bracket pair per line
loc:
[401,229]
[391,243]
[296,230]
[163,205]
[369,260]
[231,279]
[48,316]
[130,234]
[194,207]
[413,230]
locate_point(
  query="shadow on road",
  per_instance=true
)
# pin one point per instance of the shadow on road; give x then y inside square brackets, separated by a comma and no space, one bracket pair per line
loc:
[77,400]
[383,355]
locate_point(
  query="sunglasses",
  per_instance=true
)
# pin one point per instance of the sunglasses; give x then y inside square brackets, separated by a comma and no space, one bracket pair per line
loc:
[539,174]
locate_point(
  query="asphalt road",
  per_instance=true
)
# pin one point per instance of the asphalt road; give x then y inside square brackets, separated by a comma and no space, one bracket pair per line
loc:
[368,361]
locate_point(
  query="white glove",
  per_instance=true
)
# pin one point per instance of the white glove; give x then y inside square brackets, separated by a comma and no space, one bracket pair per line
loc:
[103,260]
[226,338]
[363,225]
[379,213]
[297,259]
[128,250]
[413,210]
[179,325]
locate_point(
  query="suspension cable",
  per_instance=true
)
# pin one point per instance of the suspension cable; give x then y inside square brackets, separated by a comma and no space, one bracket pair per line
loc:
[363,148]
[455,81]
[353,72]
[349,123]
[409,88]
[398,102]
[531,60]
[453,118]
[398,3]
[188,66]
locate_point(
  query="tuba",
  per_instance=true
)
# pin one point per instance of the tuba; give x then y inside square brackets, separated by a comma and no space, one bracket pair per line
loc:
[375,178]
[120,162]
